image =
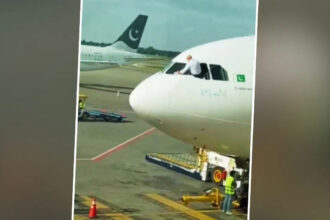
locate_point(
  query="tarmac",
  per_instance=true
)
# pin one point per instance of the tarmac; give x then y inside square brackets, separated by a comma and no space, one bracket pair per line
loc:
[110,162]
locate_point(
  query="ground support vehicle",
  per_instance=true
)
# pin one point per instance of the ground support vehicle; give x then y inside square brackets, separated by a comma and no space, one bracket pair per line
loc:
[101,115]
[205,165]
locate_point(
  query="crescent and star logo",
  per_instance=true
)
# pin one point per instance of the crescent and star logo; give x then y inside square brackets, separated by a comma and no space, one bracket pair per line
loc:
[130,34]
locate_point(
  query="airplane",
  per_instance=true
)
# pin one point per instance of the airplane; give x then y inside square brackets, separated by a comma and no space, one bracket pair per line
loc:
[213,112]
[118,53]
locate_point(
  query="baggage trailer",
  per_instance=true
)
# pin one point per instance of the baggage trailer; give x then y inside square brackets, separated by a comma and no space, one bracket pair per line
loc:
[85,115]
[101,115]
[205,165]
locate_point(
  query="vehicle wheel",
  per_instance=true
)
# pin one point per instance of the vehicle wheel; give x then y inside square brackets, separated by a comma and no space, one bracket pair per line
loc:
[85,116]
[215,205]
[242,190]
[216,175]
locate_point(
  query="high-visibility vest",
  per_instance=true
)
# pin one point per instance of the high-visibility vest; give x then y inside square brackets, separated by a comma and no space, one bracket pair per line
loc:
[81,105]
[229,187]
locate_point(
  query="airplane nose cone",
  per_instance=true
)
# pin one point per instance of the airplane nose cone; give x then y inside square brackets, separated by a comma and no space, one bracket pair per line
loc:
[136,99]
[149,100]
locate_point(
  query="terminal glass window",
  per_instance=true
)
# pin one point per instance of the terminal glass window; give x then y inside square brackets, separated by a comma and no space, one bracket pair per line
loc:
[218,73]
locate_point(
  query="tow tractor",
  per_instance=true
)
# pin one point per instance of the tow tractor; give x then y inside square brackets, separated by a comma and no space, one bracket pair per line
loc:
[85,115]
[205,165]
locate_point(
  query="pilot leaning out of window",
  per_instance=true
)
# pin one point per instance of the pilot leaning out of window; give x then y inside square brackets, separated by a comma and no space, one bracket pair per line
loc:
[192,65]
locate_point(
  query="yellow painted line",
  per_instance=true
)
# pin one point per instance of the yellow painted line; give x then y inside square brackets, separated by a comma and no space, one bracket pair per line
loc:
[88,202]
[78,217]
[115,216]
[179,207]
[118,216]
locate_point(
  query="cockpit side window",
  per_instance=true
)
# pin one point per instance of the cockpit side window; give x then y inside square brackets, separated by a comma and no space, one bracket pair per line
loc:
[175,67]
[205,71]
[218,73]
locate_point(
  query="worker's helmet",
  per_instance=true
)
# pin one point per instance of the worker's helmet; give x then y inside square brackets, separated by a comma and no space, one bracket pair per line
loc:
[232,173]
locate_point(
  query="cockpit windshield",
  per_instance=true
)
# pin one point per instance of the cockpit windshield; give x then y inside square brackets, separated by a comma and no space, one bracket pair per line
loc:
[167,66]
[175,67]
[216,71]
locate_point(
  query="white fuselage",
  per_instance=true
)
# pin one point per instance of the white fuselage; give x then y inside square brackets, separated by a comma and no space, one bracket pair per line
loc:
[211,113]
[92,57]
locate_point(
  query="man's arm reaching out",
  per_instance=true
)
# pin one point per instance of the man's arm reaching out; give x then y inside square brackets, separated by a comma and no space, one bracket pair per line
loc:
[187,66]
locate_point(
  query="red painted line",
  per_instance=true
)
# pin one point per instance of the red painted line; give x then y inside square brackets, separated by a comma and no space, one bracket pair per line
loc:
[122,145]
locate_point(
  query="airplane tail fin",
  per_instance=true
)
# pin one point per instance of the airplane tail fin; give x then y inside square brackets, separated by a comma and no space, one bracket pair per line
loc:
[133,34]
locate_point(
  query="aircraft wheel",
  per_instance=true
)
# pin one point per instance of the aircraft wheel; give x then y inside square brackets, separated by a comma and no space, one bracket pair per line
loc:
[216,175]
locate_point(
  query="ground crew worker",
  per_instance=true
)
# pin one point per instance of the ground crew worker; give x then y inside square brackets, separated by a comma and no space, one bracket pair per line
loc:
[193,65]
[229,191]
[81,106]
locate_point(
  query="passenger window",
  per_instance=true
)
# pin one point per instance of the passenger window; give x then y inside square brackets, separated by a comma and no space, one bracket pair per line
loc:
[218,73]
[176,67]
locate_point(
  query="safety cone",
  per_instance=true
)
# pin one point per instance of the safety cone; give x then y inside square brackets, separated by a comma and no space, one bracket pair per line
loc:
[92,211]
